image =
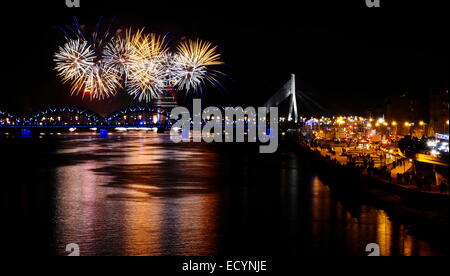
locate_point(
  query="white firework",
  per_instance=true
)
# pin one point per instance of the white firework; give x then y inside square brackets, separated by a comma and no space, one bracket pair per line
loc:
[74,60]
[193,62]
[117,55]
[102,82]
[145,80]
[141,63]
[172,71]
[76,63]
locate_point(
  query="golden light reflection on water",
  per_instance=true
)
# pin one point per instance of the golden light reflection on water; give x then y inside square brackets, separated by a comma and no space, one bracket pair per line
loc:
[384,233]
[137,194]
[144,216]
[367,225]
[161,227]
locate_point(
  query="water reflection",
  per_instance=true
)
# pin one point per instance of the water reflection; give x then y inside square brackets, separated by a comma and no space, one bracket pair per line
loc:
[140,194]
[131,205]
[362,226]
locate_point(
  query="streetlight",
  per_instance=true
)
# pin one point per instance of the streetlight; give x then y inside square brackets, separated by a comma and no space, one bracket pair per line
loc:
[395,124]
[422,124]
[409,125]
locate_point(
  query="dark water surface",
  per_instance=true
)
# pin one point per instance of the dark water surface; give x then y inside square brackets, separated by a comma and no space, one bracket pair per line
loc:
[140,194]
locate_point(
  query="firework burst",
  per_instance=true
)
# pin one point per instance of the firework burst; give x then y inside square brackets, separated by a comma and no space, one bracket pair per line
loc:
[145,80]
[146,46]
[117,55]
[139,63]
[193,62]
[76,63]
[74,60]
[172,71]
[102,82]
[145,73]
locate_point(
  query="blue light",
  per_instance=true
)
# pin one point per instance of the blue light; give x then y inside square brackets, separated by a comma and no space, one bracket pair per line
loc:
[103,132]
[141,123]
[270,133]
[185,133]
[26,133]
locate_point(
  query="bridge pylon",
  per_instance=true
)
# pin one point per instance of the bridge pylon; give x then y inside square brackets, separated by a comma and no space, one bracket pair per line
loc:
[287,91]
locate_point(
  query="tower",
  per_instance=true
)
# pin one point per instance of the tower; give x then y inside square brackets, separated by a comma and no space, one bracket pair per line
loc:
[288,91]
[293,110]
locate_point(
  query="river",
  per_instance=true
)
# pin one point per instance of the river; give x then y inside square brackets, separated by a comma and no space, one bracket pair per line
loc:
[140,194]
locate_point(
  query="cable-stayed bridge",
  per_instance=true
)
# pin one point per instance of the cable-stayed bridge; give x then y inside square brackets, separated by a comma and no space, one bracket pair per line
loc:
[156,115]
[287,92]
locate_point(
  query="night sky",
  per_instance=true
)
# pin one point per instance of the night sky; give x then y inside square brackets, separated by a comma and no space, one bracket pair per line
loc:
[347,57]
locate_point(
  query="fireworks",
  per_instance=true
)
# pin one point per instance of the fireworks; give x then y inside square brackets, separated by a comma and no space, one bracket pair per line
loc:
[102,82]
[146,46]
[145,73]
[193,61]
[74,60]
[146,80]
[116,55]
[138,63]
[76,63]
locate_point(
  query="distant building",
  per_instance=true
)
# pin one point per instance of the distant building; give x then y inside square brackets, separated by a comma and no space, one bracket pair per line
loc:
[438,111]
[407,111]
[378,111]
[418,116]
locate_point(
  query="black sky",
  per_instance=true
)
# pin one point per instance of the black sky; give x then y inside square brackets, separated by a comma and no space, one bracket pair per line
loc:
[346,57]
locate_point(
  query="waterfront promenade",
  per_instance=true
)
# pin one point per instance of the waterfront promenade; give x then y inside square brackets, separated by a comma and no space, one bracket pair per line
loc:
[388,167]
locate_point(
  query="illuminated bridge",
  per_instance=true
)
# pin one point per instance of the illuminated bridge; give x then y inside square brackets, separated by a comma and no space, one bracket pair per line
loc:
[64,116]
[6,118]
[139,116]
[64,119]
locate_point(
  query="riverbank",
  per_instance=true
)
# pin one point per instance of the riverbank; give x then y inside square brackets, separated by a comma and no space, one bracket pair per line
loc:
[427,213]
